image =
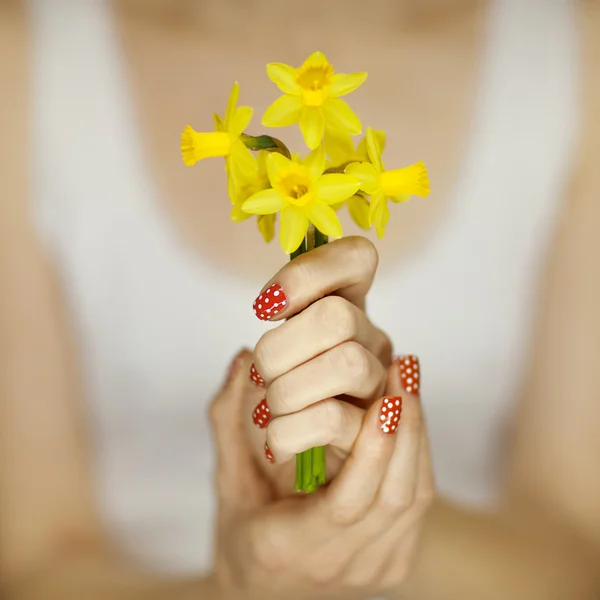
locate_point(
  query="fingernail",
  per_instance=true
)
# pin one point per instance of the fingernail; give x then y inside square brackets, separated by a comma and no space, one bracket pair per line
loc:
[270,302]
[261,415]
[268,454]
[255,376]
[410,373]
[389,414]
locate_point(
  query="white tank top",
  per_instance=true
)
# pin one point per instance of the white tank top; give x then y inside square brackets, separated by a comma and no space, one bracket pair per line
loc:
[152,358]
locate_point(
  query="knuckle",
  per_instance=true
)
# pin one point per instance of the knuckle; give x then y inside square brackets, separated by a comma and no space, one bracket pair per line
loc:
[217,411]
[363,252]
[395,502]
[334,416]
[278,397]
[278,437]
[344,515]
[324,567]
[354,360]
[262,354]
[268,547]
[425,499]
[337,315]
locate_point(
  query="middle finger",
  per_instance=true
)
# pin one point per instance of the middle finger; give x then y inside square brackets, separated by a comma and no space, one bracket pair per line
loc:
[324,325]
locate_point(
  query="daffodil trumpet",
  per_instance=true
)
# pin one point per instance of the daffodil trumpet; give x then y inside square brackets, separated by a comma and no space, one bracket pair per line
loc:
[304,193]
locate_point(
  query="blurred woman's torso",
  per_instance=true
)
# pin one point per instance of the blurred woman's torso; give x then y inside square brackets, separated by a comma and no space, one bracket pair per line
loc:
[160,283]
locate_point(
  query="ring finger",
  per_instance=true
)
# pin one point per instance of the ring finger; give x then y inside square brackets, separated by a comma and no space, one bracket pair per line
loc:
[348,369]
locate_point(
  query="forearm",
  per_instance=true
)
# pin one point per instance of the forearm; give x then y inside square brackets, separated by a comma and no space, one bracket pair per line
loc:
[96,578]
[466,555]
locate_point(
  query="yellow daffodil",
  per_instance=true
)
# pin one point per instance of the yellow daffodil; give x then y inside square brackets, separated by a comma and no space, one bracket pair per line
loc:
[398,185]
[251,184]
[302,194]
[312,98]
[224,141]
[342,151]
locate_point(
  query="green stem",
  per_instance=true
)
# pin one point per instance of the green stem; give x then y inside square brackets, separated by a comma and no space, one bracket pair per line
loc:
[310,464]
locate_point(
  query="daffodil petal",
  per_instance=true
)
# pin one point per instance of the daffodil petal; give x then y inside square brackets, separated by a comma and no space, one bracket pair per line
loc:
[374,148]
[266,226]
[401,198]
[241,160]
[358,207]
[379,214]
[344,84]
[324,219]
[240,120]
[237,214]
[294,224]
[312,126]
[362,153]
[277,167]
[376,200]
[232,102]
[366,174]
[381,218]
[315,162]
[265,202]
[286,110]
[316,59]
[284,77]
[411,181]
[340,147]
[336,187]
[219,124]
[340,116]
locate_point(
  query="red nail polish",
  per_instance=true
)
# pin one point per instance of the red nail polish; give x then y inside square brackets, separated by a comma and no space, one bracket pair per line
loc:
[270,302]
[261,415]
[269,454]
[410,373]
[389,414]
[255,376]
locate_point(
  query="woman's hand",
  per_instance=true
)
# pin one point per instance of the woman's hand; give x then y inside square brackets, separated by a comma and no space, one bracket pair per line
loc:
[352,539]
[324,363]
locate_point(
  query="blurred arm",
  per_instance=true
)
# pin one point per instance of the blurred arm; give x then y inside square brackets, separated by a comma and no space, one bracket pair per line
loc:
[52,545]
[545,542]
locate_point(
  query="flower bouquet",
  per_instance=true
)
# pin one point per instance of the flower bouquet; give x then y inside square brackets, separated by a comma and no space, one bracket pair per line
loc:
[266,179]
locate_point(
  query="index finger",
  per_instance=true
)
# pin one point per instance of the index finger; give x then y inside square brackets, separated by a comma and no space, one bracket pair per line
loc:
[345,267]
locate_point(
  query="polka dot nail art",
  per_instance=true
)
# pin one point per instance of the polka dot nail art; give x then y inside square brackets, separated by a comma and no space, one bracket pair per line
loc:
[410,373]
[261,415]
[268,454]
[271,302]
[389,414]
[255,377]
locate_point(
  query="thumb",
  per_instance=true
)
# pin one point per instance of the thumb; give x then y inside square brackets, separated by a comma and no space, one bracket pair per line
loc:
[238,480]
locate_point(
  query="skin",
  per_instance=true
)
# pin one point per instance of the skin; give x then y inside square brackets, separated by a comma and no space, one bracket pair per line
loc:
[542,543]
